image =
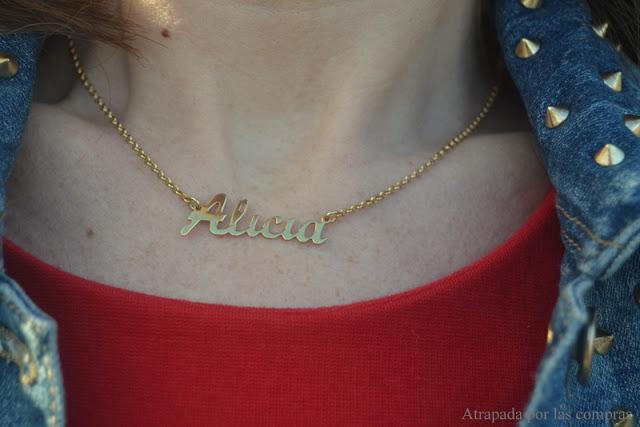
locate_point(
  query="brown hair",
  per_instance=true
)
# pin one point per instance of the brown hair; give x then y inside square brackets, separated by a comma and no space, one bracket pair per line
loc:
[84,19]
[99,20]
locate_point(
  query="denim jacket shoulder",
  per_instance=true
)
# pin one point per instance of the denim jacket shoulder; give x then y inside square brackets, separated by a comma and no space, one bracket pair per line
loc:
[588,128]
[31,389]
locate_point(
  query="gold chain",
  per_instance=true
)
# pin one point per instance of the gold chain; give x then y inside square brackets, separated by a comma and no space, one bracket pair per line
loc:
[331,216]
[191,201]
[397,186]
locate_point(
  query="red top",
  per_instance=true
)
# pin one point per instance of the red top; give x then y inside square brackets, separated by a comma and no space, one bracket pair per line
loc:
[471,340]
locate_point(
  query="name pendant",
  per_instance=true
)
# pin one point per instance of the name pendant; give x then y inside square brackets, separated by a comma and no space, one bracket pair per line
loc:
[213,213]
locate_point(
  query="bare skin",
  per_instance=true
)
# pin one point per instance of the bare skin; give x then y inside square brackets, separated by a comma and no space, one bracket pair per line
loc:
[300,107]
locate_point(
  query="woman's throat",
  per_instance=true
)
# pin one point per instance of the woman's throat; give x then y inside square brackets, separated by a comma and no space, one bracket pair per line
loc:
[271,228]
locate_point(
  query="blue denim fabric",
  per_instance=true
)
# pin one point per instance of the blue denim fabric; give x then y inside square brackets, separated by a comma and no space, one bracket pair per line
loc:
[31,389]
[598,208]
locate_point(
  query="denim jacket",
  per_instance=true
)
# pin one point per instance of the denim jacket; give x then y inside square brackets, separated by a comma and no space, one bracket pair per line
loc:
[588,128]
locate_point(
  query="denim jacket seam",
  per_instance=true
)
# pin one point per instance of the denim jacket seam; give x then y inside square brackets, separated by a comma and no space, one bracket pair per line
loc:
[11,355]
[52,409]
[573,245]
[588,232]
[632,242]
[618,250]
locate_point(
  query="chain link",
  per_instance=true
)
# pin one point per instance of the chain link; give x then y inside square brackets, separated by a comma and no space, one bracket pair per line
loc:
[331,216]
[399,185]
[191,201]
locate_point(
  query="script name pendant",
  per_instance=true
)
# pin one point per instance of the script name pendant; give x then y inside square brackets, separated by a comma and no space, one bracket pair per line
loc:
[213,213]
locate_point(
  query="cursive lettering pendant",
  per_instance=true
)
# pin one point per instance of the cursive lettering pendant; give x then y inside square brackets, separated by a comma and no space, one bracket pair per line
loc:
[213,213]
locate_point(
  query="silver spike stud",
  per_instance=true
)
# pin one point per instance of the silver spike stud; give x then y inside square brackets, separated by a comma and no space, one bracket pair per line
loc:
[8,66]
[609,155]
[531,4]
[527,48]
[613,80]
[602,342]
[633,124]
[623,418]
[555,116]
[550,335]
[601,29]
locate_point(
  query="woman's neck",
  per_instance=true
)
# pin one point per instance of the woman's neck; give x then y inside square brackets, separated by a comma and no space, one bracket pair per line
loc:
[298,79]
[341,94]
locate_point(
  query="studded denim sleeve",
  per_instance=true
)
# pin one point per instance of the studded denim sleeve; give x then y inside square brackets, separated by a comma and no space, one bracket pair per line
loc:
[583,100]
[31,391]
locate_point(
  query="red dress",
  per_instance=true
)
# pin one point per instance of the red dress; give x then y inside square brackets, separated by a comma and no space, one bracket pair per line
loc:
[438,354]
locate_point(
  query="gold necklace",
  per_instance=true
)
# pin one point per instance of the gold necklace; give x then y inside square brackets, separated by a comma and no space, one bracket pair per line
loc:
[213,211]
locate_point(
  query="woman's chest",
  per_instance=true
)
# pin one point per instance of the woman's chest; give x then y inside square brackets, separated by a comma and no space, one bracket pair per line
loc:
[88,206]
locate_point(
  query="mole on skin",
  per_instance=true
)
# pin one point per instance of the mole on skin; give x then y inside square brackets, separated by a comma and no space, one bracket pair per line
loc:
[165,33]
[89,232]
